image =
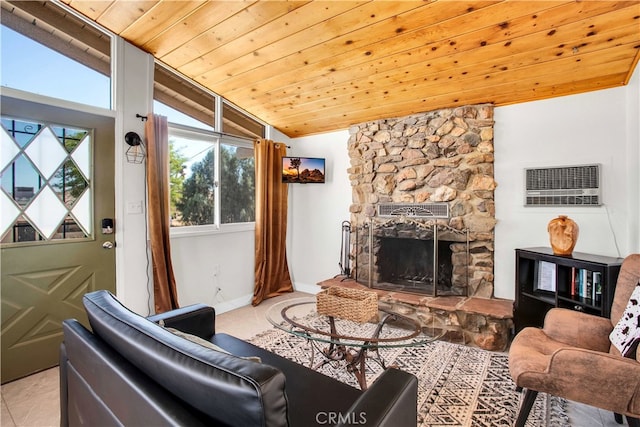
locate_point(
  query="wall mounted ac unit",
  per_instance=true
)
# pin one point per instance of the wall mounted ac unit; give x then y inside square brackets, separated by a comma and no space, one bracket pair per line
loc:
[563,186]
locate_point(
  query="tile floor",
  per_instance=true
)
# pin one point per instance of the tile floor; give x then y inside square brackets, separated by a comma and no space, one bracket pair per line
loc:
[34,401]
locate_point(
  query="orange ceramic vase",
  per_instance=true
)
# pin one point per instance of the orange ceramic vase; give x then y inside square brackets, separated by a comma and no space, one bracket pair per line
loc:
[563,235]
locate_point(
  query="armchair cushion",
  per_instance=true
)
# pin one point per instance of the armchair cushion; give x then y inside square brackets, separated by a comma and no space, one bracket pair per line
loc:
[626,334]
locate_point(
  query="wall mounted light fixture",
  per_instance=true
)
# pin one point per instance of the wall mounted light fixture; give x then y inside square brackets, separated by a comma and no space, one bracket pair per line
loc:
[135,152]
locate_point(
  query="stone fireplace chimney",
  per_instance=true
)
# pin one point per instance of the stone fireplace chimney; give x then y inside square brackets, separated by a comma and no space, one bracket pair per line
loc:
[439,157]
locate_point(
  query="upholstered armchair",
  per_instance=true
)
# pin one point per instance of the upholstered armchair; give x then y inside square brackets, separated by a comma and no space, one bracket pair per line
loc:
[572,356]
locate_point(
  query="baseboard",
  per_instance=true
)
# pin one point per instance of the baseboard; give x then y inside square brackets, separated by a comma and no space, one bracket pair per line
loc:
[223,307]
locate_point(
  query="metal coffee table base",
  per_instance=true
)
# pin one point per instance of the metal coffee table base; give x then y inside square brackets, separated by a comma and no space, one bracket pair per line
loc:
[354,358]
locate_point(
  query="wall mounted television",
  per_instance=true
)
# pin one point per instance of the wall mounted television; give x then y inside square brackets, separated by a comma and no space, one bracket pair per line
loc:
[302,170]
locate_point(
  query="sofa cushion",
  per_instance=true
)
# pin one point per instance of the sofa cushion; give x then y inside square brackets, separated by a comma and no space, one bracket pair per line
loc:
[207,380]
[201,341]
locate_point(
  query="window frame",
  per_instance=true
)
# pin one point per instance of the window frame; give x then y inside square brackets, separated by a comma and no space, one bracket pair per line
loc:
[217,140]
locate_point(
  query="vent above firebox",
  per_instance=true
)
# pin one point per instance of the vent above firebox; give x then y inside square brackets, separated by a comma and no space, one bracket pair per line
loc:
[415,210]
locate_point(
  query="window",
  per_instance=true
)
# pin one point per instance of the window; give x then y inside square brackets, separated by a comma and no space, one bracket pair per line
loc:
[211,173]
[212,179]
[42,43]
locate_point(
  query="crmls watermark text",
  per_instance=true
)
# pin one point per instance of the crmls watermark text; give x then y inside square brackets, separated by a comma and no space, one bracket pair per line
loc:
[359,418]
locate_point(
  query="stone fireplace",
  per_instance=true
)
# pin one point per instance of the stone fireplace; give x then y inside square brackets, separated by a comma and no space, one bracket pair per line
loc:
[442,157]
[433,266]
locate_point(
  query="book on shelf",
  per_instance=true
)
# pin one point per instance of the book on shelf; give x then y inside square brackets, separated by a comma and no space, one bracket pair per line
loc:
[577,278]
[546,279]
[597,286]
[586,284]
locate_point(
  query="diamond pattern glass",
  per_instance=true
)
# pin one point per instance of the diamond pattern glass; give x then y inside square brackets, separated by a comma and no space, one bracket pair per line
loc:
[23,132]
[45,182]
[69,229]
[68,183]
[70,138]
[82,211]
[8,149]
[21,180]
[46,152]
[46,212]
[9,212]
[81,155]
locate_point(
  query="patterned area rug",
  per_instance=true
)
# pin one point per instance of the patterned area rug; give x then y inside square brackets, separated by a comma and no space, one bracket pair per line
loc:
[457,385]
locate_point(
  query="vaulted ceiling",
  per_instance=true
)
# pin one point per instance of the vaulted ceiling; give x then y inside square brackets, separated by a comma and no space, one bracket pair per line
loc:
[313,66]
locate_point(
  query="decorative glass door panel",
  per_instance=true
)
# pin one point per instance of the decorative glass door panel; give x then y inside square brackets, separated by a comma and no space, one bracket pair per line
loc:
[45,182]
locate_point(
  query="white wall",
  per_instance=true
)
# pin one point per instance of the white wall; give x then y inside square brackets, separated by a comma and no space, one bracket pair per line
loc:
[133,79]
[316,212]
[202,263]
[595,127]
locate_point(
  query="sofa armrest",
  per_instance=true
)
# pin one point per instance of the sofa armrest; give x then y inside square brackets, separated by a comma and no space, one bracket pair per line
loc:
[392,400]
[578,329]
[196,319]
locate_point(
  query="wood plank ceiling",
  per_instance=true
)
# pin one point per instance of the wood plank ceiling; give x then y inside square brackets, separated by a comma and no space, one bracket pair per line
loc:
[314,66]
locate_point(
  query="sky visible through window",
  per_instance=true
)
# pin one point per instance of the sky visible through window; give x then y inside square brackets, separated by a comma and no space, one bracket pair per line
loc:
[32,67]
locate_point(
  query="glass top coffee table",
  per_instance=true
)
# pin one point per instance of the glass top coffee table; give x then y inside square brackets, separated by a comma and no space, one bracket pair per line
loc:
[354,343]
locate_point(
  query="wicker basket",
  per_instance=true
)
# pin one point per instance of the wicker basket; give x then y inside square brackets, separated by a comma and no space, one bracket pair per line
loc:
[347,303]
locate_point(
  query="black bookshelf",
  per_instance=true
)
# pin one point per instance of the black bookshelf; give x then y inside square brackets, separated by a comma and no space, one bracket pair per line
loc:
[581,281]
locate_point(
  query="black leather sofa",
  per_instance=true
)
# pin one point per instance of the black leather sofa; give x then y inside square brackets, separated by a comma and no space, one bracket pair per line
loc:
[130,371]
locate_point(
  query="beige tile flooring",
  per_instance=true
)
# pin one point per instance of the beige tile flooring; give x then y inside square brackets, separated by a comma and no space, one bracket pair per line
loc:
[34,401]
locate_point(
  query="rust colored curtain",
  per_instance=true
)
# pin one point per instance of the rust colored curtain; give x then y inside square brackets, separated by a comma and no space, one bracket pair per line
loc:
[165,294]
[271,270]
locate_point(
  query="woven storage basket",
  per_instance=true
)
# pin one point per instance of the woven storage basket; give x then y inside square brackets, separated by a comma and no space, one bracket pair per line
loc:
[346,303]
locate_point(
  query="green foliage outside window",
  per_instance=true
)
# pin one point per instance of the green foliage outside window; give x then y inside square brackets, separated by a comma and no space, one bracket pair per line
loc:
[193,197]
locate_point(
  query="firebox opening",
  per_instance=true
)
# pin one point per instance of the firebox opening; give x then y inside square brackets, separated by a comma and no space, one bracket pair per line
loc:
[408,265]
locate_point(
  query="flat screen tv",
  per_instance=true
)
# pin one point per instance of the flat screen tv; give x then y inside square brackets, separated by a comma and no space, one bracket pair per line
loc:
[302,170]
